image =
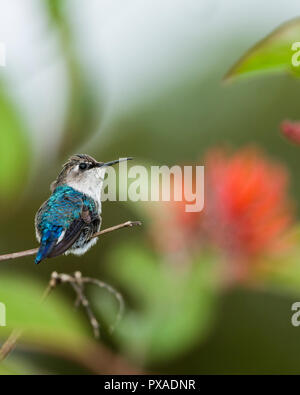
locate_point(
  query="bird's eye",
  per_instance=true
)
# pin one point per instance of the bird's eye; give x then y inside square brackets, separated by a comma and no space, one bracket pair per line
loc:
[83,166]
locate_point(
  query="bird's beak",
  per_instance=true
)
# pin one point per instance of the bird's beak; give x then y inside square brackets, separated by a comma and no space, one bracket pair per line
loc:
[113,162]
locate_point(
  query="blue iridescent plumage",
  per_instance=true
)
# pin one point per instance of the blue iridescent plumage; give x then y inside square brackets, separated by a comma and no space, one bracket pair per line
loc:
[62,215]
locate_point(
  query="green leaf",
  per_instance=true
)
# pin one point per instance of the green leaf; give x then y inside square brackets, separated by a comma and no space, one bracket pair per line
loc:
[273,53]
[14,149]
[52,322]
[173,307]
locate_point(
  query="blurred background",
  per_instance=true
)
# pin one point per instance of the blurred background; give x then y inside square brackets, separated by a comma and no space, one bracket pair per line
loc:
[209,292]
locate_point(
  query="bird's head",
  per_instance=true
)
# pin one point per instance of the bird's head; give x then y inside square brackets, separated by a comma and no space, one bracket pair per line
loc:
[83,173]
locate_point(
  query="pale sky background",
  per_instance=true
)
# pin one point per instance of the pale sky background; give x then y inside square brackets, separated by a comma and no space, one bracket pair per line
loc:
[134,49]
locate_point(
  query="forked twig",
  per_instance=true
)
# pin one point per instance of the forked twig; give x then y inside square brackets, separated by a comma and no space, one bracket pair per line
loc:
[77,282]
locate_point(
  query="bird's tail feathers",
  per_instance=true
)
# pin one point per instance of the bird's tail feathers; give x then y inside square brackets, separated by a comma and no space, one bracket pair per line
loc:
[48,241]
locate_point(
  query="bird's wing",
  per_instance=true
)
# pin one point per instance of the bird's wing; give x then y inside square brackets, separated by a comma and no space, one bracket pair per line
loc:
[72,233]
[63,210]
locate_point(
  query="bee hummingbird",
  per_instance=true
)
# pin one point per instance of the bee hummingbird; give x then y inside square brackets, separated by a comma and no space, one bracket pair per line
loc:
[66,221]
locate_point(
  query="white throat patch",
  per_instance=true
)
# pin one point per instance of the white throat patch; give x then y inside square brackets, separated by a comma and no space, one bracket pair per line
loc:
[91,184]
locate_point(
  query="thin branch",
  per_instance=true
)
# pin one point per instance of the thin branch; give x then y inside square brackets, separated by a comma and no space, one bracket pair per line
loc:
[20,254]
[33,251]
[86,304]
[128,224]
[113,291]
[10,343]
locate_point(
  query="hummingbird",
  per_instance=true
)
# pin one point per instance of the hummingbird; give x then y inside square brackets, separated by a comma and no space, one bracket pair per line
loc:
[66,222]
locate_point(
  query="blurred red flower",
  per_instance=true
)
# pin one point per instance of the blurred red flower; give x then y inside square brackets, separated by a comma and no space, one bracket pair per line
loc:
[247,210]
[173,230]
[291,130]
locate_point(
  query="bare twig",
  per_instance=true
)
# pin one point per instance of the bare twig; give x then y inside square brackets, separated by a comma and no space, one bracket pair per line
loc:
[33,251]
[77,282]
[128,224]
[86,304]
[10,343]
[20,254]
[113,291]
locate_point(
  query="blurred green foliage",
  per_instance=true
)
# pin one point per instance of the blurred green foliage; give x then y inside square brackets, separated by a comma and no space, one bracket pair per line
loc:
[14,149]
[17,367]
[171,308]
[52,322]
